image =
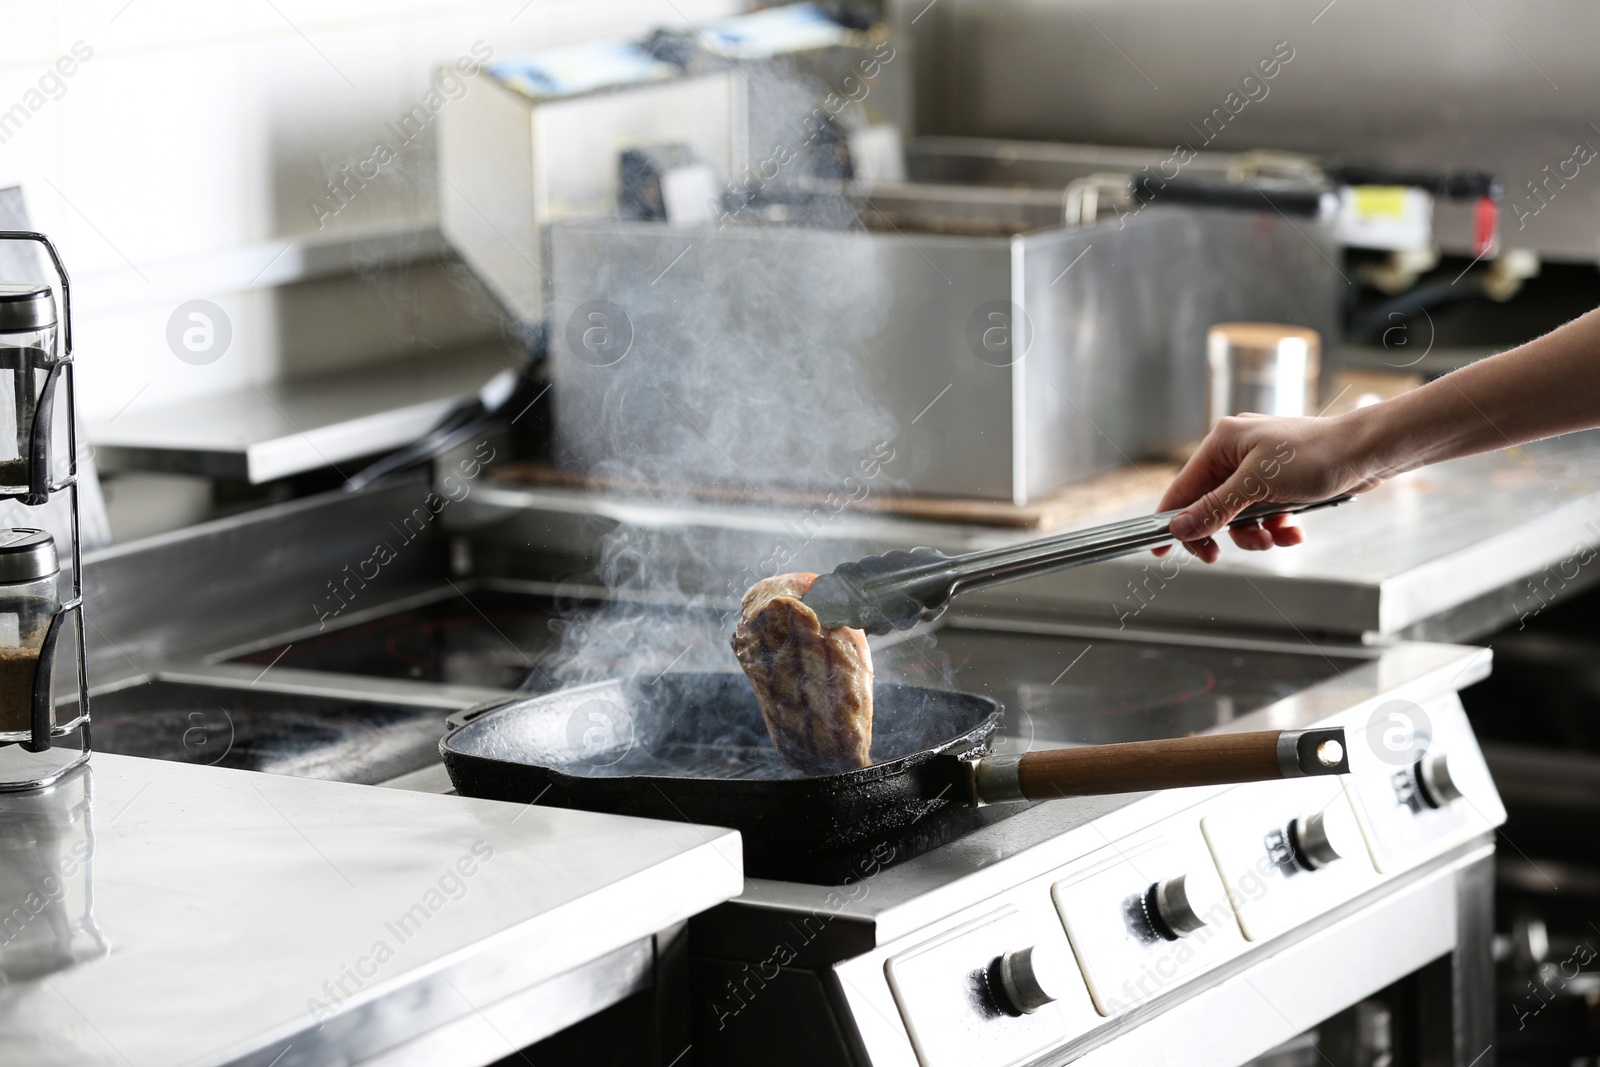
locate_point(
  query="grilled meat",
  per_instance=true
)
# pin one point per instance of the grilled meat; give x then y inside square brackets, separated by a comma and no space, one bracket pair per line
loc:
[814,685]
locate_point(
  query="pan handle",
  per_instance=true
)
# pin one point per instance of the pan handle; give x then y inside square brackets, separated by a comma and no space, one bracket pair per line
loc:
[1138,766]
[456,720]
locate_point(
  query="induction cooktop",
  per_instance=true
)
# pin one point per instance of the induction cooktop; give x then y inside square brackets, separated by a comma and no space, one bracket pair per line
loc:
[496,639]
[1061,685]
[309,736]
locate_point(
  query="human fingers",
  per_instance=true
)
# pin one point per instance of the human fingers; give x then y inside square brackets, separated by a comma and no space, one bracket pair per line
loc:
[1212,462]
[1285,534]
[1252,537]
[1203,473]
[1214,509]
[1205,549]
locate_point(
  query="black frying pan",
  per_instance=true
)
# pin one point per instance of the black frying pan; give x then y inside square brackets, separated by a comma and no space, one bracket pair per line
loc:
[693,747]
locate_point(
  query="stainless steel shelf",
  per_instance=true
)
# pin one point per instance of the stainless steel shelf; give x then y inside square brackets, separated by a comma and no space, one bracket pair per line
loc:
[260,433]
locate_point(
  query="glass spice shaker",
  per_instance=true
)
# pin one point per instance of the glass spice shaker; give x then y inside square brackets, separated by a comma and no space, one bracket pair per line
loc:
[27,352]
[29,599]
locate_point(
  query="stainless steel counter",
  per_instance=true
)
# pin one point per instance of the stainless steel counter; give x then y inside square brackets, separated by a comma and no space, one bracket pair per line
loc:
[1450,552]
[164,913]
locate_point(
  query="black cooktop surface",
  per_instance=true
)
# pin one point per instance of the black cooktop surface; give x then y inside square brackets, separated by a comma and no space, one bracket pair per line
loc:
[1060,690]
[1057,689]
[330,737]
[483,638]
[491,638]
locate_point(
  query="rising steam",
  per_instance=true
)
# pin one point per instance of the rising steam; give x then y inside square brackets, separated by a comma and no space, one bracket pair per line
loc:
[744,373]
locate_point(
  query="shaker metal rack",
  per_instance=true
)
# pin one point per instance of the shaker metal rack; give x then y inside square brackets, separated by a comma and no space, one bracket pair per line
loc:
[40,489]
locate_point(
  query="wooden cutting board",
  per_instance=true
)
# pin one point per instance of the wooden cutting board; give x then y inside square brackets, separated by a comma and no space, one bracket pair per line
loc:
[1069,506]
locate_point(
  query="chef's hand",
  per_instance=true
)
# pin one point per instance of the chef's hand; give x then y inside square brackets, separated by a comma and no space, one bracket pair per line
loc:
[1252,459]
[1546,387]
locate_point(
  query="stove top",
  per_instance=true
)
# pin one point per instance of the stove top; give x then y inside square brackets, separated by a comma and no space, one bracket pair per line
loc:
[1059,686]
[1060,689]
[484,637]
[257,729]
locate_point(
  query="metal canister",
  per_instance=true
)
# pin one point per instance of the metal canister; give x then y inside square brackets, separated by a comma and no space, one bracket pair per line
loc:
[1264,367]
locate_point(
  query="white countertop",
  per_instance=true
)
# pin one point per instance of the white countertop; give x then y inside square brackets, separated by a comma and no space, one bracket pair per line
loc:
[164,913]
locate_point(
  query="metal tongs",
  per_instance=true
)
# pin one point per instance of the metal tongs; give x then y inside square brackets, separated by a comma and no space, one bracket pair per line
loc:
[899,589]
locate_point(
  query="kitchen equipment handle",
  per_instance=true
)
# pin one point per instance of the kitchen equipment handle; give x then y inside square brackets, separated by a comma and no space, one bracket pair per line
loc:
[457,720]
[1447,185]
[1140,766]
[1218,192]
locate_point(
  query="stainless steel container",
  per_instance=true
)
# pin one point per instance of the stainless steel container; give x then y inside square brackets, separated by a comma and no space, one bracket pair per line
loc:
[1264,367]
[510,163]
[1000,359]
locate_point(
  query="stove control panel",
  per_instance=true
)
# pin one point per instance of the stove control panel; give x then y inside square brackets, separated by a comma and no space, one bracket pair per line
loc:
[1145,916]
[999,989]
[1423,786]
[1133,911]
[1287,851]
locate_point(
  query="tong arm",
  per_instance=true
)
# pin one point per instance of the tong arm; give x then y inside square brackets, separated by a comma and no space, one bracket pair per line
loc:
[898,589]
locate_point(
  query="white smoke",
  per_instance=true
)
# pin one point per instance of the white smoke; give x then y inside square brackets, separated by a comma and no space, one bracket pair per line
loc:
[744,374]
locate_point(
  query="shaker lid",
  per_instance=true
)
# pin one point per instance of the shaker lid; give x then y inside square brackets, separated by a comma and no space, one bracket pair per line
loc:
[26,306]
[1263,338]
[27,554]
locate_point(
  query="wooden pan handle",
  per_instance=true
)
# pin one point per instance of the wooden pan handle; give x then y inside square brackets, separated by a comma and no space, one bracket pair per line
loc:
[1138,766]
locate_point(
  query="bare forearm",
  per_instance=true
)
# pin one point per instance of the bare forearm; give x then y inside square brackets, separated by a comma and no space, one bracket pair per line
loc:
[1546,387]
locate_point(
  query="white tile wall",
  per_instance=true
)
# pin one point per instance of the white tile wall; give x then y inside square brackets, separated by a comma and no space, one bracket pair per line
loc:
[198,126]
[30,33]
[306,119]
[151,146]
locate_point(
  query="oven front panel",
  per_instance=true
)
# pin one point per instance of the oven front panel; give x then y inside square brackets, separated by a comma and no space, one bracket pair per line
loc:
[1257,889]
[1150,915]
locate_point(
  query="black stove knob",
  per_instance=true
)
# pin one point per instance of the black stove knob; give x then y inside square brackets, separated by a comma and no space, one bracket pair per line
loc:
[1312,847]
[1025,980]
[1172,913]
[1438,785]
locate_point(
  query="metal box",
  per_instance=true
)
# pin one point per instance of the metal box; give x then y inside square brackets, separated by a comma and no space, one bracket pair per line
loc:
[510,164]
[1000,361]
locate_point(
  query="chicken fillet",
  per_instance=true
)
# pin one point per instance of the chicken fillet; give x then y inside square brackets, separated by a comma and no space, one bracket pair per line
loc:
[814,685]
